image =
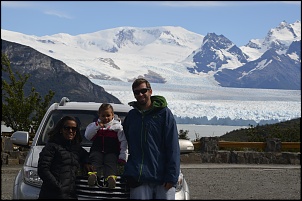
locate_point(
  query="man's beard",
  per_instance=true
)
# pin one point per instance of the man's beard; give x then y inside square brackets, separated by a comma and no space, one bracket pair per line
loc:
[142,102]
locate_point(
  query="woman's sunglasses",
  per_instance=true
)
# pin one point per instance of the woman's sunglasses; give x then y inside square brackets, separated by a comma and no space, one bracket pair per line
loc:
[143,91]
[67,128]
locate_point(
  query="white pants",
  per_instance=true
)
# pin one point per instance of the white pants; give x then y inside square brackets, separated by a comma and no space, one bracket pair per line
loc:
[149,191]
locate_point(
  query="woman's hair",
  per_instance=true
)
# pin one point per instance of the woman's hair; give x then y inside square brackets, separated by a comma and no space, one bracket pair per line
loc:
[105,106]
[55,133]
[139,81]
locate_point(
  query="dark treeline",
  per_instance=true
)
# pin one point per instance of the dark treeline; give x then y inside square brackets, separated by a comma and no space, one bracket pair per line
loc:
[287,131]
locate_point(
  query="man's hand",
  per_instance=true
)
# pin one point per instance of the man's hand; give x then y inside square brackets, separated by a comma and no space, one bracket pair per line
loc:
[168,185]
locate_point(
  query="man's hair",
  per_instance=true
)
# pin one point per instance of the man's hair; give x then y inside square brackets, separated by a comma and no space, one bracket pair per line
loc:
[105,106]
[139,81]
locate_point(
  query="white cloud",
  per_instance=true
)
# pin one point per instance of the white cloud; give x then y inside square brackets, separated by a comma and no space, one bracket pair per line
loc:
[58,14]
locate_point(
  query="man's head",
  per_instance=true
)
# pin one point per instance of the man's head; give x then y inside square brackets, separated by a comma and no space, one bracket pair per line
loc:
[142,92]
[140,81]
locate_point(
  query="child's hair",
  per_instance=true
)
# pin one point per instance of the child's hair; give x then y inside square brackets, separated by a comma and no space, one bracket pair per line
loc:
[105,106]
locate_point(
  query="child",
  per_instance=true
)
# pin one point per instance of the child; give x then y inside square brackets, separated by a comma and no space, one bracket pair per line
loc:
[109,146]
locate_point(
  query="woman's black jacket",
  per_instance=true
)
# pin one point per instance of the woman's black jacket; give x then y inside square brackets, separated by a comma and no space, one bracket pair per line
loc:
[58,165]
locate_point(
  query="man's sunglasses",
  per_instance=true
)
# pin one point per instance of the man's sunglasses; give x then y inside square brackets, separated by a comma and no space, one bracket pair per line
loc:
[67,128]
[143,91]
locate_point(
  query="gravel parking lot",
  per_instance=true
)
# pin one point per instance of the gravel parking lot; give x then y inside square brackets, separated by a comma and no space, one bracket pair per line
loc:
[243,182]
[8,174]
[218,181]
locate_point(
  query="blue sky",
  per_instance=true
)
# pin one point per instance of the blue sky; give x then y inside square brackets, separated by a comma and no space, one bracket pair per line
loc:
[239,21]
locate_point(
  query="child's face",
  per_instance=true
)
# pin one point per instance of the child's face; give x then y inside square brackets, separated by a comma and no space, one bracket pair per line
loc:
[106,116]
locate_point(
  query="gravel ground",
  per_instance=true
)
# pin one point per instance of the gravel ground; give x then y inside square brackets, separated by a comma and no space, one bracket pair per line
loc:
[218,181]
[8,174]
[243,182]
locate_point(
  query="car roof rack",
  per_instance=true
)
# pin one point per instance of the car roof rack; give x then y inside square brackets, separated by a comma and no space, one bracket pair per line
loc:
[63,101]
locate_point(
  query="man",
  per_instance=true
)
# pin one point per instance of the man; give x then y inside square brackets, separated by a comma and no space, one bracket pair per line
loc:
[153,165]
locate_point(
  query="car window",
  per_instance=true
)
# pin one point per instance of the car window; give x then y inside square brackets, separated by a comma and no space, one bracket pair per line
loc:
[84,118]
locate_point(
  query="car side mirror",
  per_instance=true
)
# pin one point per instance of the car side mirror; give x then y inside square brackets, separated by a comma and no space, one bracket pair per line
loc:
[20,138]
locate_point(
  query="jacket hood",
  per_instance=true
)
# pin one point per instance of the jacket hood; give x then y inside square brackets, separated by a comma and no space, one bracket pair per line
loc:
[158,101]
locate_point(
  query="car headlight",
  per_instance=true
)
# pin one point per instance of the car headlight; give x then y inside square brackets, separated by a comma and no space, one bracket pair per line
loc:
[31,176]
[179,183]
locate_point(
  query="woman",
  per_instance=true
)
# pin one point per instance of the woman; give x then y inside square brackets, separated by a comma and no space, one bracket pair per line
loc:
[60,160]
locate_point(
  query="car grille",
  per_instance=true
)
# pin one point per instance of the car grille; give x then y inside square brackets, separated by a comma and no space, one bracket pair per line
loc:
[84,191]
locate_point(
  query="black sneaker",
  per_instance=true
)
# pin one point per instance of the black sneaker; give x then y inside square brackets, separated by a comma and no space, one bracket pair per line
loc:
[92,179]
[111,182]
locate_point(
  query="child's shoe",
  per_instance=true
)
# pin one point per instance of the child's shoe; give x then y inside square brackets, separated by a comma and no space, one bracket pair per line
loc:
[111,181]
[92,178]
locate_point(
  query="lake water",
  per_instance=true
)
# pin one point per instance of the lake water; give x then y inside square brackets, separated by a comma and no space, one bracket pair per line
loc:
[206,130]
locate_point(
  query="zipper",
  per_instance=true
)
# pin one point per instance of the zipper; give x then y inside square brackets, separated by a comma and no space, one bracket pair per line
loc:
[143,136]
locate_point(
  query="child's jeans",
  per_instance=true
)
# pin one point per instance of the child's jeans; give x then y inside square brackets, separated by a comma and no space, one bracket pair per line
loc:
[105,164]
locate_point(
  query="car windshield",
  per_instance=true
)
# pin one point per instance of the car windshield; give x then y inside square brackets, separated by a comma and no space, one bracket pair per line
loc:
[84,118]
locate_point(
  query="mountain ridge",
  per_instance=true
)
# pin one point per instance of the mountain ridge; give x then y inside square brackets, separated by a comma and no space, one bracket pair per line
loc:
[125,53]
[47,74]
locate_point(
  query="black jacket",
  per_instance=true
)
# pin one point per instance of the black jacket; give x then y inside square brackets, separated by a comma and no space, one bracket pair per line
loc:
[58,165]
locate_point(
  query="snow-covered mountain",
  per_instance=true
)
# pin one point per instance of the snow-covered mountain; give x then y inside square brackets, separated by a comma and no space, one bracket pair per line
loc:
[186,67]
[270,63]
[117,54]
[164,54]
[279,38]
[216,53]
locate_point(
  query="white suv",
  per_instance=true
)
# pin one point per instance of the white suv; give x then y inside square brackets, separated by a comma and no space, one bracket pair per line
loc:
[27,182]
